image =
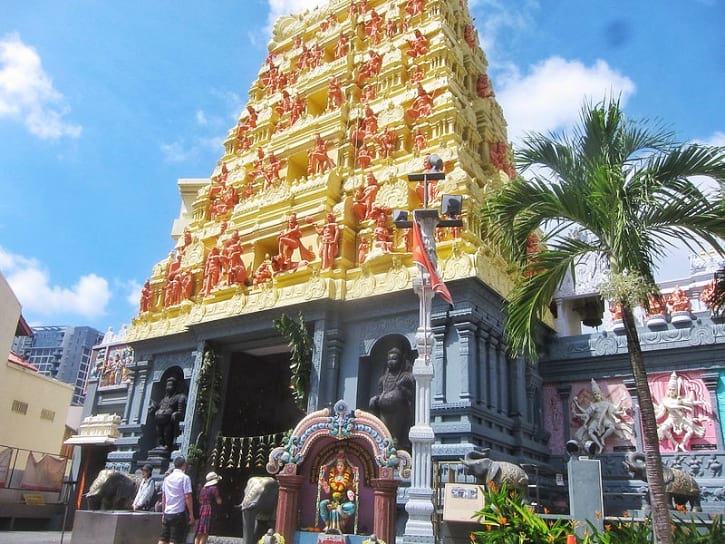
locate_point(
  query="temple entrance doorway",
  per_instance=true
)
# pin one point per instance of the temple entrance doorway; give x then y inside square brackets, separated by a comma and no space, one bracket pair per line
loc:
[258,410]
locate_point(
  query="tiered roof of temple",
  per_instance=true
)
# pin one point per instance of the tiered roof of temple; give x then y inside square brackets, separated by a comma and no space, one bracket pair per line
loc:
[351,99]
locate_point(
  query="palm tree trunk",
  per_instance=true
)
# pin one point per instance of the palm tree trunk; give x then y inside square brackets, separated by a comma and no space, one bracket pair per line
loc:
[661,518]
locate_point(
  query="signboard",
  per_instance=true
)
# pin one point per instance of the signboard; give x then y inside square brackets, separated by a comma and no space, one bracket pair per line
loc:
[462,501]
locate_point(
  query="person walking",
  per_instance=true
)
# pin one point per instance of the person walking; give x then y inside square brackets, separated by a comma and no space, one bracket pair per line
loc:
[208,498]
[176,504]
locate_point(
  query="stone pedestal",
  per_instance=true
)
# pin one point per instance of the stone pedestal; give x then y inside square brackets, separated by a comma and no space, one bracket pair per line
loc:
[116,527]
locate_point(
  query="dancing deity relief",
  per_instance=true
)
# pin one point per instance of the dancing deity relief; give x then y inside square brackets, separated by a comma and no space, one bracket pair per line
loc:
[681,416]
[600,418]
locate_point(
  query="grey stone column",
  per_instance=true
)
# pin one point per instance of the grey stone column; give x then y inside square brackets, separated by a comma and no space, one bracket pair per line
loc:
[564,391]
[632,388]
[441,365]
[466,359]
[503,376]
[711,381]
[191,399]
[135,405]
[334,344]
[493,377]
[482,368]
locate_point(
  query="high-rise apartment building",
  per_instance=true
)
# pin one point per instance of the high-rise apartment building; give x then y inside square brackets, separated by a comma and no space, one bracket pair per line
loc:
[63,353]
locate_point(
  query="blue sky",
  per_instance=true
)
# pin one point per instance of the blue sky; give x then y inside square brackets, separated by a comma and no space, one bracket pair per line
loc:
[104,105]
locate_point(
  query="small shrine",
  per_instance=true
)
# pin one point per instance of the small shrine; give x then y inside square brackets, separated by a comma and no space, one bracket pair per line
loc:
[338,474]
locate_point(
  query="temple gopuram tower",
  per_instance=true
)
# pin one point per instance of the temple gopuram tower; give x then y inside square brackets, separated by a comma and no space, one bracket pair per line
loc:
[296,219]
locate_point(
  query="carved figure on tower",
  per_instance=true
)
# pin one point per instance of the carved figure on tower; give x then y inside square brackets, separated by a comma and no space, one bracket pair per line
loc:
[319,162]
[342,45]
[272,169]
[483,86]
[387,142]
[263,274]
[330,240]
[363,157]
[290,239]
[414,7]
[371,67]
[146,297]
[382,235]
[335,98]
[679,301]
[374,27]
[422,105]
[365,198]
[236,272]
[212,270]
[370,122]
[418,46]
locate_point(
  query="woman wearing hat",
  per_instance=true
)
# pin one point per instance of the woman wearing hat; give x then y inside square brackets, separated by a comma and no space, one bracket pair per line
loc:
[208,497]
[145,497]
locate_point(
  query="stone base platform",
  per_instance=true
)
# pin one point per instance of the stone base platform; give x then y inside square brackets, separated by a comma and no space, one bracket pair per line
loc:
[116,527]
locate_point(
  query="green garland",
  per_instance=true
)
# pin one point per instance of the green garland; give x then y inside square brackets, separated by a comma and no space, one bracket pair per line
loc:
[300,344]
[208,399]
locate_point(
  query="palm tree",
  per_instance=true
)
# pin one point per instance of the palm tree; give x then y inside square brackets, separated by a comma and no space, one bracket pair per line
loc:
[626,185]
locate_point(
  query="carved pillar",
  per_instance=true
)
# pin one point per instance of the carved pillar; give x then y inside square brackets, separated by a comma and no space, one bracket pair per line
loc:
[127,412]
[564,391]
[482,368]
[711,381]
[330,375]
[288,504]
[191,399]
[518,387]
[632,388]
[493,377]
[466,358]
[440,366]
[504,382]
[384,508]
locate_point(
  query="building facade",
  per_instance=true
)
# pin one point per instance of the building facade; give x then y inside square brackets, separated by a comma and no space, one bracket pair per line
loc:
[60,352]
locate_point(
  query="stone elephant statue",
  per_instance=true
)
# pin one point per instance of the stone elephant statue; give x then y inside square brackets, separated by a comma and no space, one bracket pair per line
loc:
[681,487]
[258,507]
[112,490]
[485,469]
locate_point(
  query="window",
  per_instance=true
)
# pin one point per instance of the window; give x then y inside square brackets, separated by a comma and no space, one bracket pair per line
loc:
[47,414]
[20,407]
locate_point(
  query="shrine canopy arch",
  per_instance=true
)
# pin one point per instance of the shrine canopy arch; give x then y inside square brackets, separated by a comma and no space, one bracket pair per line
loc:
[319,437]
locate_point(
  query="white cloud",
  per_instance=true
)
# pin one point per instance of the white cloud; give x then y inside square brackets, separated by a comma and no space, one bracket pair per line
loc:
[30,282]
[201,117]
[176,152]
[550,96]
[27,93]
[287,7]
[134,293]
[715,139]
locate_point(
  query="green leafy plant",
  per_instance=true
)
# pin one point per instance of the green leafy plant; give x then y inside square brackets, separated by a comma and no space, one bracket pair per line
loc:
[507,519]
[300,344]
[640,532]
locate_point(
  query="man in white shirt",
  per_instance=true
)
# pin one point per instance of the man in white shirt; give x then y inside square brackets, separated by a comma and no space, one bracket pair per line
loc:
[145,495]
[176,503]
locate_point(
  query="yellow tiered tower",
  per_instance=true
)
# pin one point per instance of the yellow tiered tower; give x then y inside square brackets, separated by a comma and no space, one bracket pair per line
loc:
[351,99]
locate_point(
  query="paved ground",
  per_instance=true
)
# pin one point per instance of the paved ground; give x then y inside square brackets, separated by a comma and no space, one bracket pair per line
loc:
[34,537]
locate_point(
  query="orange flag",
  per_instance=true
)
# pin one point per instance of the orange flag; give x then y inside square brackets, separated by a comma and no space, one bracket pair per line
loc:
[420,256]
